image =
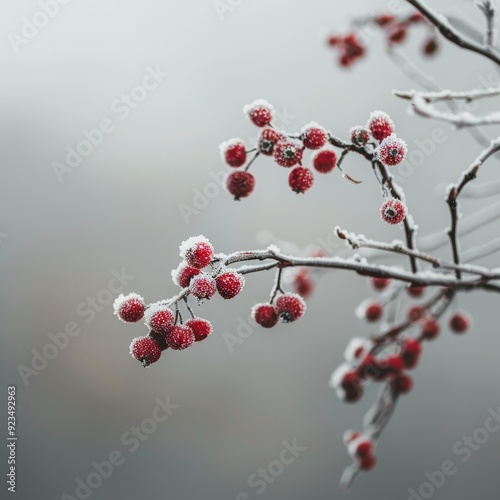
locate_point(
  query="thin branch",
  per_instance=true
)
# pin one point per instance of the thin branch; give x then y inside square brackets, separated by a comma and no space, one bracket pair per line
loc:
[448,95]
[488,9]
[449,32]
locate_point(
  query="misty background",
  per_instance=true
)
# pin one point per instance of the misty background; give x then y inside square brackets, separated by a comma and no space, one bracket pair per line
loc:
[122,208]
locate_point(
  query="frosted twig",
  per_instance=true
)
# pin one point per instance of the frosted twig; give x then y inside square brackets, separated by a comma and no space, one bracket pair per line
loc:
[451,34]
[488,9]
[448,95]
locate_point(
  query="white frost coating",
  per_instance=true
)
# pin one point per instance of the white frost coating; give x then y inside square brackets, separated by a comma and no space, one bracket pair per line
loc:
[311,125]
[357,348]
[224,146]
[258,103]
[153,309]
[348,436]
[393,141]
[175,272]
[360,311]
[338,375]
[378,116]
[273,248]
[191,242]
[121,299]
[353,445]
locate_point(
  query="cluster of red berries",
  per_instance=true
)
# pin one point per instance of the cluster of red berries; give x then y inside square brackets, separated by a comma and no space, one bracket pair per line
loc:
[287,307]
[166,327]
[288,150]
[396,31]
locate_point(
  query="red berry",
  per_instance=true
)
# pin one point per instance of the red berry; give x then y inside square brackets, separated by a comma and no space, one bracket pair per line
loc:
[393,211]
[300,179]
[287,153]
[290,307]
[410,353]
[229,284]
[430,46]
[367,462]
[430,329]
[324,161]
[351,384]
[359,135]
[303,284]
[129,308]
[384,19]
[260,112]
[203,287]
[267,140]
[380,125]
[197,251]
[201,328]
[334,40]
[397,33]
[415,291]
[393,364]
[416,313]
[352,47]
[363,448]
[180,337]
[350,436]
[183,274]
[234,152]
[240,184]
[346,60]
[373,312]
[370,367]
[380,283]
[417,17]
[159,318]
[265,315]
[146,350]
[459,323]
[402,384]
[314,136]
[392,150]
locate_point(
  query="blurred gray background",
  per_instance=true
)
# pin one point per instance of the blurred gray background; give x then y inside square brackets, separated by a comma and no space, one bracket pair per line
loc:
[120,209]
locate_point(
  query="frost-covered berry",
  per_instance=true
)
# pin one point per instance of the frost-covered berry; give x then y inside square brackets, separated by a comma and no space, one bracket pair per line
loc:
[201,328]
[203,287]
[197,251]
[430,329]
[410,352]
[359,135]
[416,17]
[352,47]
[229,284]
[290,307]
[380,283]
[351,385]
[234,152]
[459,322]
[303,284]
[300,179]
[265,315]
[287,153]
[415,291]
[402,384]
[380,125]
[129,308]
[397,33]
[267,140]
[393,211]
[371,367]
[415,313]
[373,312]
[362,447]
[392,150]
[324,161]
[260,112]
[358,348]
[393,364]
[180,337]
[314,136]
[146,350]
[240,184]
[183,274]
[159,318]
